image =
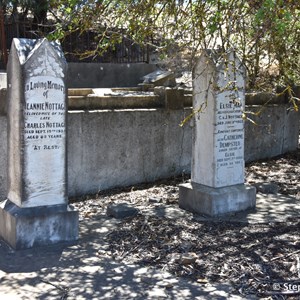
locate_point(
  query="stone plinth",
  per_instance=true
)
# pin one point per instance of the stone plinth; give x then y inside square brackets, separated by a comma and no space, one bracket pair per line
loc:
[202,199]
[36,211]
[218,140]
[31,227]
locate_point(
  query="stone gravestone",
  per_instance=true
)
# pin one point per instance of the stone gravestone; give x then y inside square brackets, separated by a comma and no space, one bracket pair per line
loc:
[217,180]
[36,211]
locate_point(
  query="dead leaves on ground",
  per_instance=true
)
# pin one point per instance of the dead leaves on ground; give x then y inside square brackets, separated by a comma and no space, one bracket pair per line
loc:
[244,255]
[251,257]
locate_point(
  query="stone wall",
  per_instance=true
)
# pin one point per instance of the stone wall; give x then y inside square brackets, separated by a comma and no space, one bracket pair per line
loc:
[276,131]
[112,148]
[109,148]
[95,75]
[124,147]
[101,75]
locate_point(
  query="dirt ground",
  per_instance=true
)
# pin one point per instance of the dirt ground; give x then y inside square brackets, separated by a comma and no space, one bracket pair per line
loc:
[257,259]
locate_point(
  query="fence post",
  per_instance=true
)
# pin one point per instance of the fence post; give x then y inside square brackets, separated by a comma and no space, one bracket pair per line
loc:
[3,38]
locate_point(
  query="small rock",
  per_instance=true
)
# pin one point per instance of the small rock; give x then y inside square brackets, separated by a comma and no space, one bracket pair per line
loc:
[146,279]
[188,258]
[267,188]
[186,246]
[202,280]
[172,190]
[168,284]
[157,293]
[154,200]
[121,211]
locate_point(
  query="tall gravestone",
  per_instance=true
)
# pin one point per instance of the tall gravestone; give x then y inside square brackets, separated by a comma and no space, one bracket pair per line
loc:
[217,179]
[36,211]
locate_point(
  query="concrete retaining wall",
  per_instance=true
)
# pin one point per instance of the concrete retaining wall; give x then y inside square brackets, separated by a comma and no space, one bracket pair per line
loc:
[122,147]
[106,75]
[3,157]
[276,131]
[94,75]
[118,148]
[3,80]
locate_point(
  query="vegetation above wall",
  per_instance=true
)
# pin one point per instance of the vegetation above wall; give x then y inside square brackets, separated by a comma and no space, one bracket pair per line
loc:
[264,33]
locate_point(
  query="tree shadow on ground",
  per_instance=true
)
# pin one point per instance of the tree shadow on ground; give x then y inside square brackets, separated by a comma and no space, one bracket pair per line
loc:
[86,270]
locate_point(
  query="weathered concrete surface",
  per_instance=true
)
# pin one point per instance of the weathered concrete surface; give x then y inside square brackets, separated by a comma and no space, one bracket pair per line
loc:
[211,201]
[160,78]
[269,208]
[127,98]
[3,108]
[102,75]
[127,147]
[3,80]
[95,75]
[105,75]
[94,101]
[24,228]
[119,148]
[174,98]
[265,99]
[115,148]
[3,157]
[276,132]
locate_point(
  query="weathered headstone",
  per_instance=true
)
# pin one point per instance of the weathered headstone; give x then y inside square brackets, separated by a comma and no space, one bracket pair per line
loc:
[217,181]
[36,211]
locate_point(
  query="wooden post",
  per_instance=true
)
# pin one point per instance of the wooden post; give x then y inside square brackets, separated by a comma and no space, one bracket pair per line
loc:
[3,37]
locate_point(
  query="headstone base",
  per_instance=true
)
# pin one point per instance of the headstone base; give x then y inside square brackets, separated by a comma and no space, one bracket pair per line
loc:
[202,199]
[24,228]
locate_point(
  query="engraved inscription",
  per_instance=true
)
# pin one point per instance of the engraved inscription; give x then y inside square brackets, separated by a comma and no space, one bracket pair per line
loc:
[44,113]
[229,135]
[44,135]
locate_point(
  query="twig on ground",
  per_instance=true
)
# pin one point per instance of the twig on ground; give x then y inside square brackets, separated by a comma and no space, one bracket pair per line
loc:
[63,289]
[285,256]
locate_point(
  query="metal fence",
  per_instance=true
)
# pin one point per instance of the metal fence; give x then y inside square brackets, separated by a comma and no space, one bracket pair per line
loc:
[74,45]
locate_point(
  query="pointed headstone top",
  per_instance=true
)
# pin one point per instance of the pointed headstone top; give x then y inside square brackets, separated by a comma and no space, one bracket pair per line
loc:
[217,58]
[40,56]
